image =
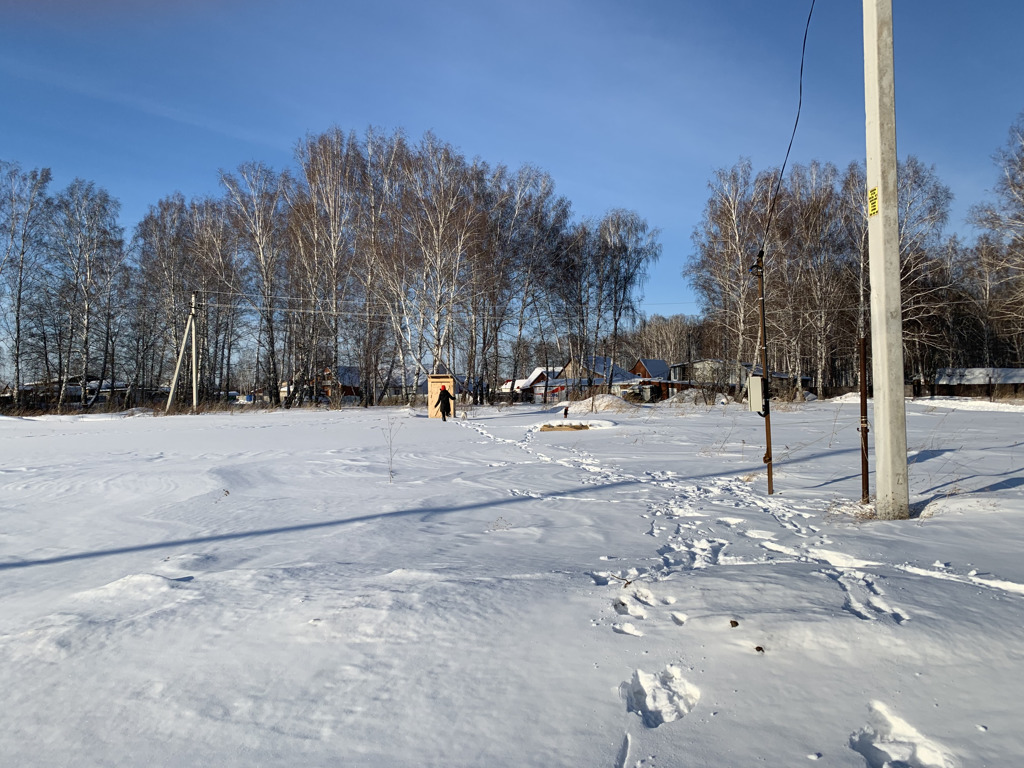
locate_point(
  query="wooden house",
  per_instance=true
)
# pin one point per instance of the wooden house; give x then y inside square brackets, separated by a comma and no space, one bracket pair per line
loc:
[979,382]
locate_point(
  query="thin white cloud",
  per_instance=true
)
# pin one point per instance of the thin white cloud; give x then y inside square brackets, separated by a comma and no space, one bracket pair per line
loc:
[78,84]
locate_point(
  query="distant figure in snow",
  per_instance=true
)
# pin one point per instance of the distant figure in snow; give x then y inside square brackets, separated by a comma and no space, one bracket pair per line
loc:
[565,413]
[444,402]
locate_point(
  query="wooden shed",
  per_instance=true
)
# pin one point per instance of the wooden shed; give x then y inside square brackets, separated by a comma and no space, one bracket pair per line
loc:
[434,383]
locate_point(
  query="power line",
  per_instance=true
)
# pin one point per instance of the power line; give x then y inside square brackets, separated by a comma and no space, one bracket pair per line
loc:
[799,107]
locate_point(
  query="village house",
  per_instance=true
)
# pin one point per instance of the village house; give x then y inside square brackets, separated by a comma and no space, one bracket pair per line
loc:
[651,379]
[698,372]
[596,370]
[978,382]
[533,388]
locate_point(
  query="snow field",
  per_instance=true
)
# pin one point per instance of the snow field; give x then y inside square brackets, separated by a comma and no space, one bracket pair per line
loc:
[276,589]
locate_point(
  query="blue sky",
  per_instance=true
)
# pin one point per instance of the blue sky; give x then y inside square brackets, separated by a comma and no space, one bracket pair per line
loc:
[627,103]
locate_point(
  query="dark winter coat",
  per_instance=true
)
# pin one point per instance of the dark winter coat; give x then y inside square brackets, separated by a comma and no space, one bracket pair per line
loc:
[444,402]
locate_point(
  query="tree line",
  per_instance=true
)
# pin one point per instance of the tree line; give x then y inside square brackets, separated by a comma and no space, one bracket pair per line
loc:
[377,253]
[963,303]
[398,258]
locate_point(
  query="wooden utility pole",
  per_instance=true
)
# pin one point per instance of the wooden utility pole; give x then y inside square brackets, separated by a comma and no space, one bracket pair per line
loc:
[892,501]
[190,328]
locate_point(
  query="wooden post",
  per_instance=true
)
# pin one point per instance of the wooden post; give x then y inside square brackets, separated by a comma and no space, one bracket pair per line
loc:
[190,328]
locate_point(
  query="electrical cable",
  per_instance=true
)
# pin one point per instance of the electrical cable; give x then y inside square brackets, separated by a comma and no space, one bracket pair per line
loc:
[799,107]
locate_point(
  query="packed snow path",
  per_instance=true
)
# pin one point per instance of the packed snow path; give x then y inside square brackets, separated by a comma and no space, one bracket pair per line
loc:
[376,588]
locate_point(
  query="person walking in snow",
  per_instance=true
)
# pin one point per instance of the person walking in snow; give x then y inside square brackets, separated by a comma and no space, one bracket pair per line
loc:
[444,403]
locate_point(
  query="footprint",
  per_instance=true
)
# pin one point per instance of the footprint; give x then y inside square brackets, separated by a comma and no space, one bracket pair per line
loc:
[864,598]
[627,629]
[623,757]
[693,553]
[660,698]
[876,601]
[889,741]
[625,607]
[882,607]
[645,596]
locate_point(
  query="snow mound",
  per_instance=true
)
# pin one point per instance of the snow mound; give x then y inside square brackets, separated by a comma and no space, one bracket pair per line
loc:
[601,403]
[972,404]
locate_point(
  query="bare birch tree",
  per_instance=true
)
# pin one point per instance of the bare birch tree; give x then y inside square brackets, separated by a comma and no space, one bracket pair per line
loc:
[87,251]
[726,243]
[256,197]
[22,209]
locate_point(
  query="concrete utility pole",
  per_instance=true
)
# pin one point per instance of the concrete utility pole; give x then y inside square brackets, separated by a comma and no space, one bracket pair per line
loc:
[892,500]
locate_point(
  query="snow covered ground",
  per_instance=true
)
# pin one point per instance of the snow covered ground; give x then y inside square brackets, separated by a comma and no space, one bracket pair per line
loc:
[375,588]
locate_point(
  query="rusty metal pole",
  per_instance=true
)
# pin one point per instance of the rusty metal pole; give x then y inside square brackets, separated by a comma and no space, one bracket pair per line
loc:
[766,389]
[865,491]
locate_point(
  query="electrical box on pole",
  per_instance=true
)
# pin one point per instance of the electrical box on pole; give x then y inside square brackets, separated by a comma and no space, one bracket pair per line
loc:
[755,394]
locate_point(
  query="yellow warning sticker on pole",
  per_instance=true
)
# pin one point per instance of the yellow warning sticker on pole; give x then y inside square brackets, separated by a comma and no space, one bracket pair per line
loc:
[873,201]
